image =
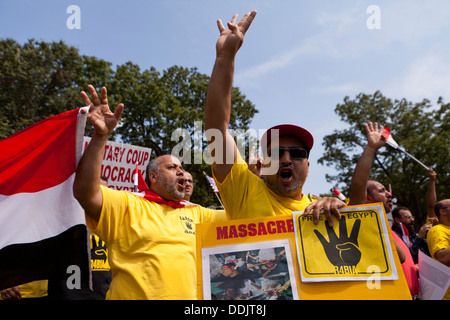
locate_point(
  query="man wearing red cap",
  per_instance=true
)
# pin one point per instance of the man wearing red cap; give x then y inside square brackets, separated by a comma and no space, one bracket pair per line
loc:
[286,147]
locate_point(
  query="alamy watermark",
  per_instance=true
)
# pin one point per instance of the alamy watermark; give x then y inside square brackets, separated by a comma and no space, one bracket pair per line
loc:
[74,20]
[373,22]
[74,280]
[374,281]
[221,148]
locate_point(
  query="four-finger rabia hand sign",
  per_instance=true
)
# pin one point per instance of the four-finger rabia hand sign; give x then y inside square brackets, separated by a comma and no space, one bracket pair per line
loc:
[342,250]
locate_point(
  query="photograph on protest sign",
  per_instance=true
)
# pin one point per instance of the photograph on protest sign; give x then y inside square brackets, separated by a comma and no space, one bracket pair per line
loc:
[357,247]
[252,271]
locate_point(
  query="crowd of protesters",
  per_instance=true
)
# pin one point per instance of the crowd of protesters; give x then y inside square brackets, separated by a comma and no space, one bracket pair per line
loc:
[150,239]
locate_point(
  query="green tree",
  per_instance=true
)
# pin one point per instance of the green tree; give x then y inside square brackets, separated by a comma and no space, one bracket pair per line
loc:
[420,128]
[40,79]
[159,105]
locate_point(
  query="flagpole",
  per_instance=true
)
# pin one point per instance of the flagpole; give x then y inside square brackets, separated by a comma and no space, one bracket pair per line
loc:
[390,141]
[412,157]
[218,198]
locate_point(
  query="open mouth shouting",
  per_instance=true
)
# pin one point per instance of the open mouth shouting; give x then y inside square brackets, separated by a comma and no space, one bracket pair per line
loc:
[286,174]
[181,184]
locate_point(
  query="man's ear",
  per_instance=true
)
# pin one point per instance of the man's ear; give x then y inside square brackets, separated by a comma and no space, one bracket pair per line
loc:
[152,177]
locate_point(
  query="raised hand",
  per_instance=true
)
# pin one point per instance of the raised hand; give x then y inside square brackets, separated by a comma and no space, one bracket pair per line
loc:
[375,138]
[86,187]
[231,39]
[101,117]
[432,175]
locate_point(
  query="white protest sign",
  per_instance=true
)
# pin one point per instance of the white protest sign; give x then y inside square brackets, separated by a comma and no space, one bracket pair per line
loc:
[119,163]
[434,278]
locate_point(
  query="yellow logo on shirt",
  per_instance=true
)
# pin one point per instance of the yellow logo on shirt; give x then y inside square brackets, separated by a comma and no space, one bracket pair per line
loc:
[188,225]
[99,255]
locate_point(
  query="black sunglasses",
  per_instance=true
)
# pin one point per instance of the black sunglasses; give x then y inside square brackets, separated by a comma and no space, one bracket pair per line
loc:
[295,153]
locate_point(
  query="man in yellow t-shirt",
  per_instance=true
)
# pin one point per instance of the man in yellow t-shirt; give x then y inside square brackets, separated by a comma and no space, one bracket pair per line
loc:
[438,237]
[150,237]
[243,193]
[151,246]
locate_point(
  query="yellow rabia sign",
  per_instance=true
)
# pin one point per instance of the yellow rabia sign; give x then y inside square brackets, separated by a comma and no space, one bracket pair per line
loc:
[356,248]
[288,257]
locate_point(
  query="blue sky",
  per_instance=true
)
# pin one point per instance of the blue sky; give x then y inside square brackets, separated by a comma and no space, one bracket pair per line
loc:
[299,59]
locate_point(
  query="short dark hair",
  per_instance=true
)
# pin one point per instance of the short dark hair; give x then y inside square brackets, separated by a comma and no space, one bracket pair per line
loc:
[396,211]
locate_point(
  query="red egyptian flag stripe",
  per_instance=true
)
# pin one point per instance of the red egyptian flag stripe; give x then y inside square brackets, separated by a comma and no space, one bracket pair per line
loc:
[29,161]
[389,139]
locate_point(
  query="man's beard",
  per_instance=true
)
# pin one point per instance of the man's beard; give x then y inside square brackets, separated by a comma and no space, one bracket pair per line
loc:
[283,191]
[171,189]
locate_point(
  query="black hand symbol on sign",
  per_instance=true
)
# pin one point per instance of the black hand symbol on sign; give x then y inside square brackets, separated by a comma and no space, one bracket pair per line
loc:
[342,251]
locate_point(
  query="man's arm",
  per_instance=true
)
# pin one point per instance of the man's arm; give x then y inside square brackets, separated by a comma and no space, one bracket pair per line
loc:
[443,256]
[86,187]
[218,100]
[358,189]
[375,140]
[431,194]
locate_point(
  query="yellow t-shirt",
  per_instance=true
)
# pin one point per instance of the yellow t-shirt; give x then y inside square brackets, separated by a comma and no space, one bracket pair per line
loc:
[245,195]
[438,238]
[151,246]
[35,289]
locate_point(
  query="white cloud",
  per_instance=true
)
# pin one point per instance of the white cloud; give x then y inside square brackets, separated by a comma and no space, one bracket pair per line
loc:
[427,76]
[309,46]
[344,35]
[413,22]
[349,88]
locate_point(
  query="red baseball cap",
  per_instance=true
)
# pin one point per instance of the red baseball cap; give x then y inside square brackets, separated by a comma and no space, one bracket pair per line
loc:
[288,130]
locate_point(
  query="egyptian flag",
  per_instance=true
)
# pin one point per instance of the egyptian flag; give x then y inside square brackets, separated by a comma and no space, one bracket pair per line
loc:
[139,181]
[212,183]
[42,225]
[389,139]
[405,235]
[339,194]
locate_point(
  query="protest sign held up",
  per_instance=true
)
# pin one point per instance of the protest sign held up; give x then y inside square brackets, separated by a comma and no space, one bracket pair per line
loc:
[356,248]
[119,163]
[260,258]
